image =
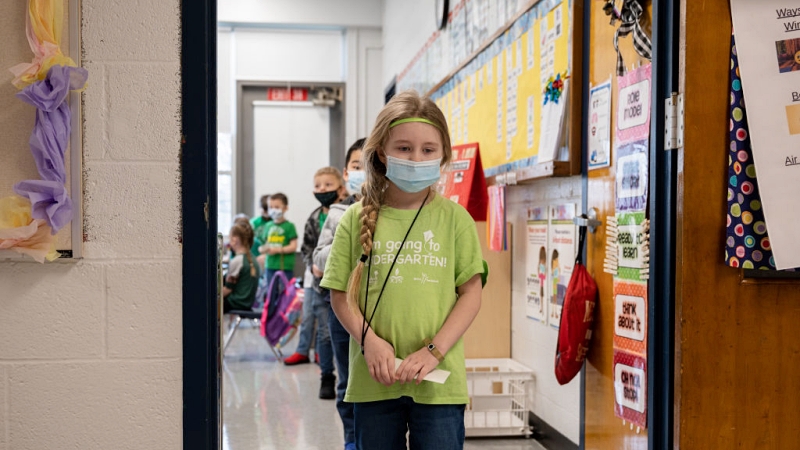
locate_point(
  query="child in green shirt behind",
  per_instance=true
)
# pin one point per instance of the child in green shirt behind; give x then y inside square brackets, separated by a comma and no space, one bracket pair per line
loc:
[281,239]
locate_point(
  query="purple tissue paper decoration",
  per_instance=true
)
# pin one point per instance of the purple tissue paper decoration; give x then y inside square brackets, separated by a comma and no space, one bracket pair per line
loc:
[49,201]
[49,142]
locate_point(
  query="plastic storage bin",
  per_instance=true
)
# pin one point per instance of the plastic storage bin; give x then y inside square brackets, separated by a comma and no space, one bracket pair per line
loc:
[498,394]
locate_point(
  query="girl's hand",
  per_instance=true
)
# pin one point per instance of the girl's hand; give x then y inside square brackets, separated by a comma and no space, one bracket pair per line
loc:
[272,250]
[416,365]
[379,356]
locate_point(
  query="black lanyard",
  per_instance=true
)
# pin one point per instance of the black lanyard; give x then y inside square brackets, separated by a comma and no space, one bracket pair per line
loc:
[365,325]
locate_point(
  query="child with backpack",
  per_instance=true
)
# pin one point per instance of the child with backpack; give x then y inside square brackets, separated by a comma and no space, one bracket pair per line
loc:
[421,289]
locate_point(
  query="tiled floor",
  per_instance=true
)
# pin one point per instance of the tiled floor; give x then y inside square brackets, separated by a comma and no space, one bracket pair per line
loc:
[269,406]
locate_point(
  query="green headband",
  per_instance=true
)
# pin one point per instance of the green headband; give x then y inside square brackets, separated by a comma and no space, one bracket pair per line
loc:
[412,119]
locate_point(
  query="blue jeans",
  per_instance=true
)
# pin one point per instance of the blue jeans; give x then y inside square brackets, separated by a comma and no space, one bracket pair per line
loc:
[315,308]
[383,425]
[340,341]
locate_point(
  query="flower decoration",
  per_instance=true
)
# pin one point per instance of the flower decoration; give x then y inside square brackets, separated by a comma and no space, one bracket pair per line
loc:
[21,233]
[29,222]
[554,89]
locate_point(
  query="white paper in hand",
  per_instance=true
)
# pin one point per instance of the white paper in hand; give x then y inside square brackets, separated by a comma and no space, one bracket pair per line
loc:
[435,375]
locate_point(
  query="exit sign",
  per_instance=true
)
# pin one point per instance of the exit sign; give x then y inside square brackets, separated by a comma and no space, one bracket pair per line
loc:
[287,94]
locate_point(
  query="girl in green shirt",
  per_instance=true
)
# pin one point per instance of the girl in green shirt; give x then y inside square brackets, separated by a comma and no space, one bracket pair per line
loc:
[404,274]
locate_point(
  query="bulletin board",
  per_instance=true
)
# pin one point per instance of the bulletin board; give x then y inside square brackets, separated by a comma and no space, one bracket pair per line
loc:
[496,95]
[17,119]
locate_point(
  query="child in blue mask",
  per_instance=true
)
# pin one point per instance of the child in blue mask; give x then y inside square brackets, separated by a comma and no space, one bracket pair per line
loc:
[405,277]
[280,247]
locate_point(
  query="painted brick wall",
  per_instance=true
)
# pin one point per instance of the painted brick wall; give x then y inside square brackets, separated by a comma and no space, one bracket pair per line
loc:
[91,351]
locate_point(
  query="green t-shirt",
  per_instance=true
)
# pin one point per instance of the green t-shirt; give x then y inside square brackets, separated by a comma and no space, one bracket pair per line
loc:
[280,235]
[442,252]
[323,216]
[244,289]
[260,226]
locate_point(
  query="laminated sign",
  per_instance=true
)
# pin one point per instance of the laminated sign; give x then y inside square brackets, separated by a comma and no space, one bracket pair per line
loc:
[464,182]
[630,388]
[768,48]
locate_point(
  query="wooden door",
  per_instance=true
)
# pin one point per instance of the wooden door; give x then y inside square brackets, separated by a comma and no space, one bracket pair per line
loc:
[737,346]
[602,429]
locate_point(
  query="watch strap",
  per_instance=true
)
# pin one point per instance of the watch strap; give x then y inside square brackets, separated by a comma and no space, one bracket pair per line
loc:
[434,351]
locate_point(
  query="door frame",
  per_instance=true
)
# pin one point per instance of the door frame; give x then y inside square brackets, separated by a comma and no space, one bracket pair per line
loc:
[202,417]
[244,143]
[662,209]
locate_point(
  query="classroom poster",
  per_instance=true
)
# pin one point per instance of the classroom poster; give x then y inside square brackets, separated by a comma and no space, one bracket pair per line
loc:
[630,388]
[631,148]
[600,126]
[632,176]
[536,267]
[561,248]
[497,219]
[630,316]
[632,245]
[633,109]
[768,48]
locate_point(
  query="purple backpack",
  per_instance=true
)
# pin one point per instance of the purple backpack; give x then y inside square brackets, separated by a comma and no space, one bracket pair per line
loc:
[281,309]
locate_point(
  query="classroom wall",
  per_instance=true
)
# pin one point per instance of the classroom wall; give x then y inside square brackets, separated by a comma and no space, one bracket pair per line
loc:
[534,343]
[91,350]
[407,25]
[347,13]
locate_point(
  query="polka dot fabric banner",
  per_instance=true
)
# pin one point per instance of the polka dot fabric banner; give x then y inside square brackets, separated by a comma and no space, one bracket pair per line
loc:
[747,245]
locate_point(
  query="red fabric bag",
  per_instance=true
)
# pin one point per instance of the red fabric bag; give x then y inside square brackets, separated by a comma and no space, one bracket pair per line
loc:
[577,319]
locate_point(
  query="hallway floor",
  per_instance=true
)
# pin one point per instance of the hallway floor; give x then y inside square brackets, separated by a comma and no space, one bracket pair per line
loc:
[269,406]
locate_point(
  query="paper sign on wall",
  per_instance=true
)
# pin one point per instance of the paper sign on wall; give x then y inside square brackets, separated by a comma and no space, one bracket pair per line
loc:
[496,222]
[633,109]
[630,316]
[630,388]
[632,179]
[562,248]
[768,48]
[632,246]
[536,268]
[600,126]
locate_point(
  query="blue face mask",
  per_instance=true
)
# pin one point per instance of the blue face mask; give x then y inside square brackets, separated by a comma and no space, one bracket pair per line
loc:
[411,176]
[355,178]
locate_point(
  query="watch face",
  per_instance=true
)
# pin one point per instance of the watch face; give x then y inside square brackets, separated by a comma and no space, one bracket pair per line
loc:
[431,347]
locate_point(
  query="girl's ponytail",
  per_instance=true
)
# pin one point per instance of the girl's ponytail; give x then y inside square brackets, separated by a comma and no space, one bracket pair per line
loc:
[245,233]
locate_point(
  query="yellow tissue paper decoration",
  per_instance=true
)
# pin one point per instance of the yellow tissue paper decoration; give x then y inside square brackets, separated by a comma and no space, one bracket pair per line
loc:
[44,23]
[20,233]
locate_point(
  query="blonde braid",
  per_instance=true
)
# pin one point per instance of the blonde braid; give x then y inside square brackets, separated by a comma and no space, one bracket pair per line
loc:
[371,206]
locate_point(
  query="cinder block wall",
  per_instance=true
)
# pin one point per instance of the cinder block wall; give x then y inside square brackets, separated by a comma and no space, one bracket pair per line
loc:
[90,352]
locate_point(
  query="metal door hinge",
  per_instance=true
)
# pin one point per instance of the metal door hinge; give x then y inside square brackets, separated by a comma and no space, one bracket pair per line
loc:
[673,122]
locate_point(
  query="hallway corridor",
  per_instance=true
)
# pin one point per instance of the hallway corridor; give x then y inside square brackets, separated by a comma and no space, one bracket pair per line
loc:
[269,406]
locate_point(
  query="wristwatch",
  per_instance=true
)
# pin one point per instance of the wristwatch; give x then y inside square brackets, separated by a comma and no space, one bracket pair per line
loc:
[434,351]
